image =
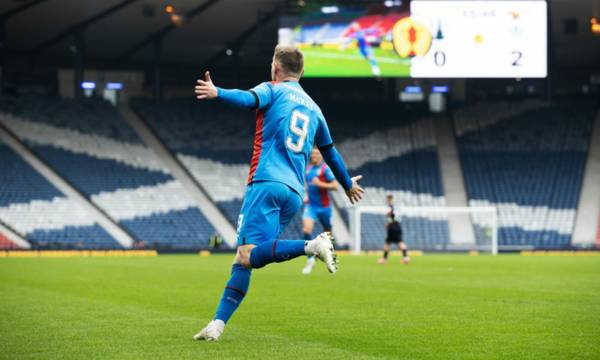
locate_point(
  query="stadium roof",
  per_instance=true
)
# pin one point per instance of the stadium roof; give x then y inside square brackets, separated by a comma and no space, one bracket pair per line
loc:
[121,31]
[122,25]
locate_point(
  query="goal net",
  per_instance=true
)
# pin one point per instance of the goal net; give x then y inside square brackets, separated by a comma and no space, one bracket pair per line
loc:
[430,228]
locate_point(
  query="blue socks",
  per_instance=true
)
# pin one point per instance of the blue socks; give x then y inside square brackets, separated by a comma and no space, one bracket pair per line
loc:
[263,254]
[234,293]
[276,251]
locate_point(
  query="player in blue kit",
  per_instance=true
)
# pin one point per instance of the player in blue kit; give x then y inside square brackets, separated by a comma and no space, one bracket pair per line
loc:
[364,46]
[319,181]
[288,124]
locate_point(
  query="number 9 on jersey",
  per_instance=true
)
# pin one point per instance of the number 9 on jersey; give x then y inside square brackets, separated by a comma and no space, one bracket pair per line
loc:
[301,130]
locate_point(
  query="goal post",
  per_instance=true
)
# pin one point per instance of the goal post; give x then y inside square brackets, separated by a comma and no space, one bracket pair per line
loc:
[431,228]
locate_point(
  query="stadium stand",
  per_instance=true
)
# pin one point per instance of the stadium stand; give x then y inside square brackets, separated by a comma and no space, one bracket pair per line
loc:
[512,155]
[208,139]
[399,160]
[35,209]
[331,33]
[378,25]
[214,142]
[395,153]
[89,144]
[335,31]
[528,160]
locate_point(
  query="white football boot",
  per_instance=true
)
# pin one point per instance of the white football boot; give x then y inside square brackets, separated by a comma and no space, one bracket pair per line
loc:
[376,71]
[322,248]
[212,331]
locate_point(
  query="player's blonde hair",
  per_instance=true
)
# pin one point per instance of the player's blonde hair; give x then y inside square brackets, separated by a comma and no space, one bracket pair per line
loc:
[290,59]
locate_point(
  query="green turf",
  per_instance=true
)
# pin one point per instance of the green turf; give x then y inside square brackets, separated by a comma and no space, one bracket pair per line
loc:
[439,307]
[321,62]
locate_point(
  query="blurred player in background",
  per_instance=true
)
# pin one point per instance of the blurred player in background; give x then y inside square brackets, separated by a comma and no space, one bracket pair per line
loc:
[364,46]
[319,181]
[288,124]
[394,234]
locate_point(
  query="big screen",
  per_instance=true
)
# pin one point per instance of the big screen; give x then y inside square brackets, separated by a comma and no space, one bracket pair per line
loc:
[426,38]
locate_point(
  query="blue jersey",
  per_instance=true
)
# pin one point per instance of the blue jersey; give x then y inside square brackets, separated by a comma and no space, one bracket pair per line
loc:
[317,197]
[288,124]
[361,38]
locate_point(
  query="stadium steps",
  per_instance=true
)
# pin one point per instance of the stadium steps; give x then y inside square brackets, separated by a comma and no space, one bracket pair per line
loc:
[108,224]
[192,187]
[587,222]
[459,225]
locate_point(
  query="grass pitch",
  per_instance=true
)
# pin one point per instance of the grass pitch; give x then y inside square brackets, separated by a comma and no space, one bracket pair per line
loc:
[324,62]
[439,307]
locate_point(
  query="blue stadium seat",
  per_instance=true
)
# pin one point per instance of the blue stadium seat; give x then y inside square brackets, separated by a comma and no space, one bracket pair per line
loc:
[92,147]
[23,196]
[529,162]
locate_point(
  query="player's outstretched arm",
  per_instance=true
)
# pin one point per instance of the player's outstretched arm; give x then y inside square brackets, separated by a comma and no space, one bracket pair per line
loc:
[336,163]
[205,89]
[356,192]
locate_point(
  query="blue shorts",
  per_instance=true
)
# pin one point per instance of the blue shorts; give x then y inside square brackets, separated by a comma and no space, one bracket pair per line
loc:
[319,213]
[267,209]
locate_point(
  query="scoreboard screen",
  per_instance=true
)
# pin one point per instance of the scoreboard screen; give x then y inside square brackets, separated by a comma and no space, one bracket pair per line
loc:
[493,39]
[423,39]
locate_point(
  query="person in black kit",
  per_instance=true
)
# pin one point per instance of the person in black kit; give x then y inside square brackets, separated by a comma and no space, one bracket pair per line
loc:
[394,234]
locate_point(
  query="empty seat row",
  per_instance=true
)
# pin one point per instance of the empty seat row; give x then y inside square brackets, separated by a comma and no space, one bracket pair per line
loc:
[528,159]
[92,147]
